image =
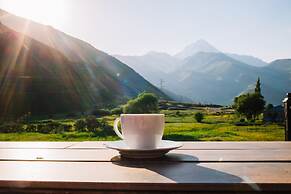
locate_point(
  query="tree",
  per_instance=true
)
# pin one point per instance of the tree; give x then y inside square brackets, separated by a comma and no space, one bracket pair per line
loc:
[143,103]
[250,105]
[269,106]
[199,116]
[258,87]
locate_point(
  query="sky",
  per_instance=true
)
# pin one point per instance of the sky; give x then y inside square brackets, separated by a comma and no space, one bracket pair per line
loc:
[261,28]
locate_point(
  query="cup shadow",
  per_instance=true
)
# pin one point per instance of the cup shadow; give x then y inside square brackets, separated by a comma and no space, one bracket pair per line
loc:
[177,168]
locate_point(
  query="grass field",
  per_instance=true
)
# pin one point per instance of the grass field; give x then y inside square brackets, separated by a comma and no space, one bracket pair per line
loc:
[180,125]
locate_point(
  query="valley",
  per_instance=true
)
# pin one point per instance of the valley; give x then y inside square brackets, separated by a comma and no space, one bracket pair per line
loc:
[201,73]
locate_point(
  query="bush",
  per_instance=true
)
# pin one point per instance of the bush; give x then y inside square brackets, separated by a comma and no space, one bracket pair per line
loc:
[144,103]
[67,127]
[199,116]
[106,128]
[11,128]
[31,128]
[48,127]
[100,128]
[117,111]
[43,128]
[56,127]
[91,123]
[80,125]
[101,112]
[94,130]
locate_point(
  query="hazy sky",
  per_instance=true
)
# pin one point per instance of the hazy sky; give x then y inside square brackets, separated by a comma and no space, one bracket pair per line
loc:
[132,27]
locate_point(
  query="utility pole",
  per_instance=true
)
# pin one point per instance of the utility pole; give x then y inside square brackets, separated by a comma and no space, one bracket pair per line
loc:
[287,111]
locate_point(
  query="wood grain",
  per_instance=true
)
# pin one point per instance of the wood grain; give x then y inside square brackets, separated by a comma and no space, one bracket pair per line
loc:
[147,176]
[104,155]
[32,145]
[202,145]
[197,167]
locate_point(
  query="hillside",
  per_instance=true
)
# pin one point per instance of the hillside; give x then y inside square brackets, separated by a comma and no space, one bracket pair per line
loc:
[213,77]
[153,66]
[62,74]
[282,66]
[216,77]
[35,78]
[254,61]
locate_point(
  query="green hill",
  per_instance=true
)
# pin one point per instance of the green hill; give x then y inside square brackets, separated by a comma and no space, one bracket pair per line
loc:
[61,75]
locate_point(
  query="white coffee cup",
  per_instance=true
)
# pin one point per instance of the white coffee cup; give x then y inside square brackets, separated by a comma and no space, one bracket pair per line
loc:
[141,131]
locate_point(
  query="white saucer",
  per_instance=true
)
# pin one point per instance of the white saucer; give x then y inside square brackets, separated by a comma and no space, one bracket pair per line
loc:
[164,147]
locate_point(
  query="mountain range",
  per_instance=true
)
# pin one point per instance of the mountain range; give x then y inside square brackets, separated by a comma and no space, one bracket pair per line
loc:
[45,71]
[202,73]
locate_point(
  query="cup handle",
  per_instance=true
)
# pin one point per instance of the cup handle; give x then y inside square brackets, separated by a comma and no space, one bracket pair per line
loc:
[116,130]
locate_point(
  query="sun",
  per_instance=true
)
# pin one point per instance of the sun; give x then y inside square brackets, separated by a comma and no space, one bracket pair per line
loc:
[49,12]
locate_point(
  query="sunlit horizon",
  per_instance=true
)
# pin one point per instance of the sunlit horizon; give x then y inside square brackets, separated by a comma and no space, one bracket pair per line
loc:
[51,12]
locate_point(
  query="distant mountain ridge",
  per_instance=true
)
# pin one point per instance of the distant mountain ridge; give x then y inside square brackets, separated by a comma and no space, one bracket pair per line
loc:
[199,73]
[80,71]
[209,76]
[198,46]
[281,65]
[254,61]
[153,66]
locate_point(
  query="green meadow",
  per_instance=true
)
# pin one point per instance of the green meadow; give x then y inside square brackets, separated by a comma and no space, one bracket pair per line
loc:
[180,126]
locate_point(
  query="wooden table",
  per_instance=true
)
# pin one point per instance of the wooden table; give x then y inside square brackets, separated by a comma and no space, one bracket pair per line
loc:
[197,167]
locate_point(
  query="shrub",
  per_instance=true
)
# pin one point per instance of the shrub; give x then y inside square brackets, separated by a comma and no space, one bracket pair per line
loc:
[103,129]
[269,107]
[106,128]
[43,128]
[80,125]
[31,128]
[94,130]
[101,112]
[11,128]
[199,116]
[117,111]
[55,127]
[91,123]
[144,103]
[67,127]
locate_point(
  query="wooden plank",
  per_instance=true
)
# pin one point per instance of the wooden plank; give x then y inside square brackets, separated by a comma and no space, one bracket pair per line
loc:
[103,155]
[167,176]
[186,145]
[67,191]
[57,154]
[254,145]
[88,145]
[33,145]
[202,145]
